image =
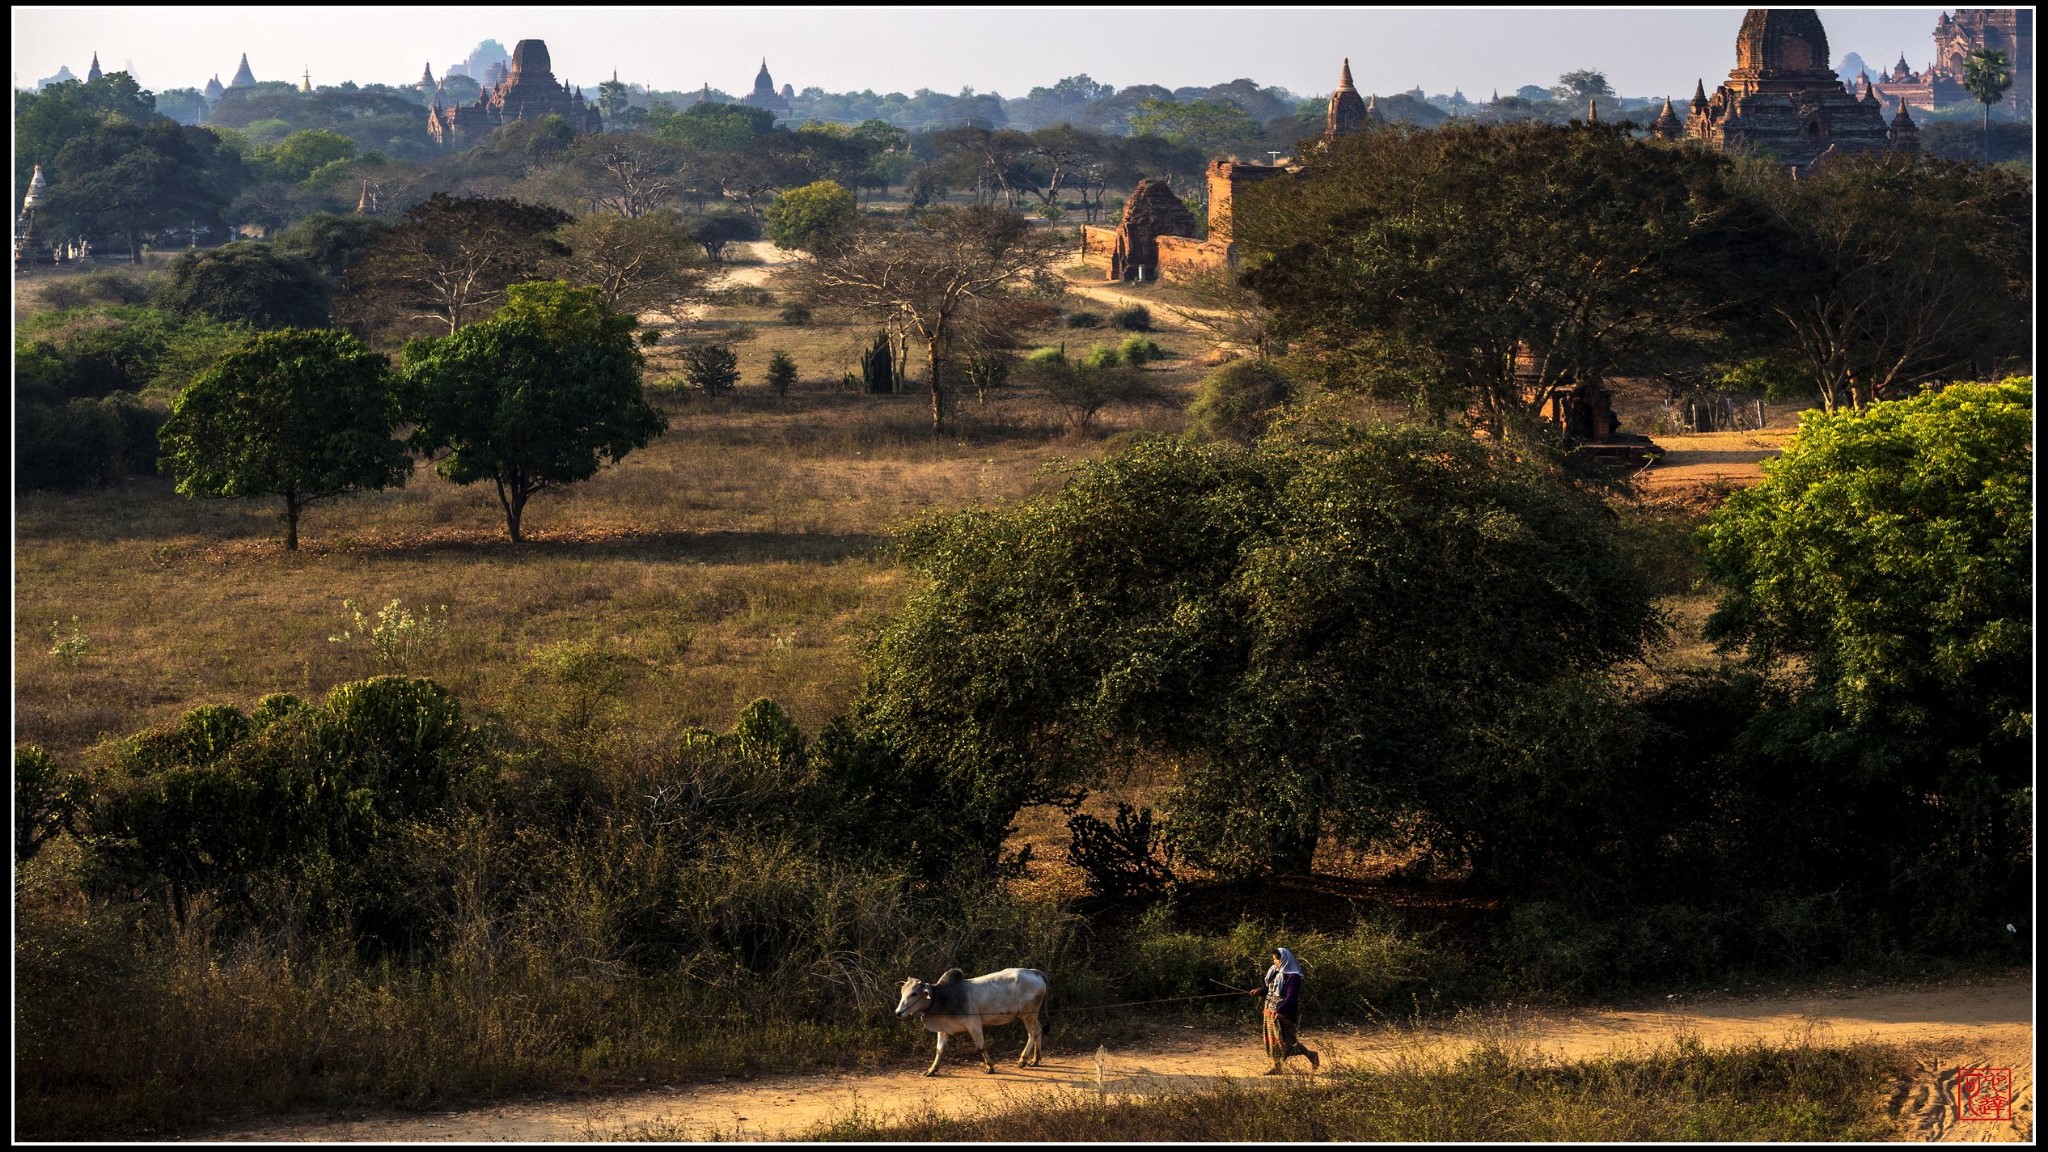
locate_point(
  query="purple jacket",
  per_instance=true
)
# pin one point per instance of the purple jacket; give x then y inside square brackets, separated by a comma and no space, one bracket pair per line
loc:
[1283,996]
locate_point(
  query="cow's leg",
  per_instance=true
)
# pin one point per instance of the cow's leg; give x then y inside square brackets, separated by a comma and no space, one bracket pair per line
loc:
[937,1056]
[1034,1045]
[980,1043]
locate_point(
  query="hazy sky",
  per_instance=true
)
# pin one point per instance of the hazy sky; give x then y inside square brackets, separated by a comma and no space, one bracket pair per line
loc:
[1644,52]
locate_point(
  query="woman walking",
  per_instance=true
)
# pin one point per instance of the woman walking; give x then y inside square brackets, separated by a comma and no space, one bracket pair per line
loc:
[1283,1012]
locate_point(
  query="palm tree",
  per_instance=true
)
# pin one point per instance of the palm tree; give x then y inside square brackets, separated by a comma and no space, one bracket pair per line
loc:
[1986,75]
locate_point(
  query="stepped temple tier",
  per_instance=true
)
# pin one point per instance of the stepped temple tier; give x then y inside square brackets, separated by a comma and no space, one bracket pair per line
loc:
[527,91]
[1783,99]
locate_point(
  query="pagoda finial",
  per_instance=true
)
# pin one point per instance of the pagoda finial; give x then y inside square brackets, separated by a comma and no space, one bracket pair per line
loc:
[1344,80]
[94,72]
[1592,111]
[1699,93]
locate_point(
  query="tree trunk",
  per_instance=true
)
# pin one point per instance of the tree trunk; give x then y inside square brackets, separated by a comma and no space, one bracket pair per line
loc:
[135,240]
[291,522]
[931,361]
[512,497]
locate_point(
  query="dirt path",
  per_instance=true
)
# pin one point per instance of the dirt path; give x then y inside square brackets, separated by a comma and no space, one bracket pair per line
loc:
[1947,1027]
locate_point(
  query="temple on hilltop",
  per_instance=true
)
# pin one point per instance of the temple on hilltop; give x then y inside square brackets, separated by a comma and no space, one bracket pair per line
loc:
[1785,100]
[243,77]
[527,91]
[765,94]
[2008,31]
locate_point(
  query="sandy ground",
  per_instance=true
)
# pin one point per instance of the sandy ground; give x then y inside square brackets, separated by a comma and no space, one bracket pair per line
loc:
[1714,458]
[1945,1028]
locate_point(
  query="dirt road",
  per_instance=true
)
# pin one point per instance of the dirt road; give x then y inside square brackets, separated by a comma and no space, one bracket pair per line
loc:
[1952,1026]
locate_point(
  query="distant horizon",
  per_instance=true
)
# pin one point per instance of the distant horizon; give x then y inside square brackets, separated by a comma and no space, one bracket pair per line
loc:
[1643,52]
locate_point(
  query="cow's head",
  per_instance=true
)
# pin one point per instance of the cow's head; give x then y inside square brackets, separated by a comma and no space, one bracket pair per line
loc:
[915,997]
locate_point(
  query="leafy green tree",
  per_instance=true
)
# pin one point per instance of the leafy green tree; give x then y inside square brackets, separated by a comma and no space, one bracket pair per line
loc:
[1417,263]
[1345,631]
[122,182]
[781,373]
[1577,87]
[298,414]
[813,216]
[1238,401]
[332,242]
[613,97]
[1986,76]
[300,154]
[46,121]
[713,367]
[251,282]
[714,231]
[1881,575]
[948,274]
[1888,551]
[1209,126]
[450,260]
[1082,390]
[536,398]
[718,127]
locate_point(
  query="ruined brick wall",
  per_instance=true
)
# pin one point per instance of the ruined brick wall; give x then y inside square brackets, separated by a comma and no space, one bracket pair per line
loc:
[1181,256]
[1098,247]
[1226,178]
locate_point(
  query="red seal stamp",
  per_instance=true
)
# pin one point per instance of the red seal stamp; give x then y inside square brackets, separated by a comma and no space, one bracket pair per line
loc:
[1984,1094]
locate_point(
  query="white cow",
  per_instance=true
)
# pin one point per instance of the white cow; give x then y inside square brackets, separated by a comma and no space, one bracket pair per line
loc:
[957,1004]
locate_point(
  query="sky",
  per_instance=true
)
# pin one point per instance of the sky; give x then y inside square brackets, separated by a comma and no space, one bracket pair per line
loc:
[1644,52]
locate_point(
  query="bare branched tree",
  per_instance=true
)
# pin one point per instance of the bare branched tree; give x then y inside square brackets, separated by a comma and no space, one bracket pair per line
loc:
[948,273]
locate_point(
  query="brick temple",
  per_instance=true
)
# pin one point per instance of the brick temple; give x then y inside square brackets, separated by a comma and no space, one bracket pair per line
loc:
[526,91]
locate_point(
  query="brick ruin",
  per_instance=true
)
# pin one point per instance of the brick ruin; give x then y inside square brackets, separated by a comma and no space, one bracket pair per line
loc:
[1155,240]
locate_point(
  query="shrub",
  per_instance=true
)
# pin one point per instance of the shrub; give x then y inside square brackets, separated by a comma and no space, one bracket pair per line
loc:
[1102,356]
[1238,400]
[715,368]
[781,375]
[1132,318]
[85,443]
[1084,320]
[1057,355]
[988,372]
[796,313]
[1138,351]
[45,799]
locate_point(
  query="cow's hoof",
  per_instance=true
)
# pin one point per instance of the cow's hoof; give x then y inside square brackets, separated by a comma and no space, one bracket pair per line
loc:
[930,1073]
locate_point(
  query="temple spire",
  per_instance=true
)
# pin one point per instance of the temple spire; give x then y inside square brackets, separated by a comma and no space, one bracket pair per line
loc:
[1344,79]
[1699,93]
[93,73]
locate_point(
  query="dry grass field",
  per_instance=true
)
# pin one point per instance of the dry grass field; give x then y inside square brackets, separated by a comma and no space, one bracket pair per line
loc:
[744,554]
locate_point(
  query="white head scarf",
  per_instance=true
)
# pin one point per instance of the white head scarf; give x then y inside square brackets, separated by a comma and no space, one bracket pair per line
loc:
[1288,966]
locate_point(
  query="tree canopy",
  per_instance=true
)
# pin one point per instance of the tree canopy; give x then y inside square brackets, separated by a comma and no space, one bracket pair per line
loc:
[1417,263]
[249,281]
[1888,550]
[305,415]
[451,260]
[532,399]
[1339,631]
